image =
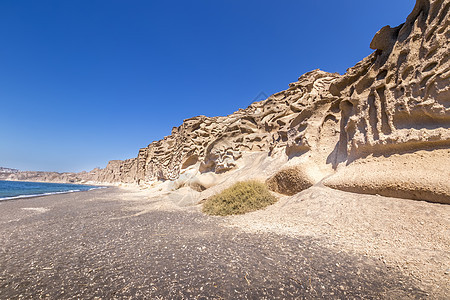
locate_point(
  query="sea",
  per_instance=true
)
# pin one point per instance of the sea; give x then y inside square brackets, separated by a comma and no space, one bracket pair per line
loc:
[21,189]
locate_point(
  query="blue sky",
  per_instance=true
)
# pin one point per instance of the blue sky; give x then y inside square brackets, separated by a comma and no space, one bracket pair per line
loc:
[83,82]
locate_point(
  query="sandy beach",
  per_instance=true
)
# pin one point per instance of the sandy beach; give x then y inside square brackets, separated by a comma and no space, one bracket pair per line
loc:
[120,243]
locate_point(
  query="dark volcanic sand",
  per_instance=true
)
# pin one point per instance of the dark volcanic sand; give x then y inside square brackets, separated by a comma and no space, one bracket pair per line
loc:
[87,246]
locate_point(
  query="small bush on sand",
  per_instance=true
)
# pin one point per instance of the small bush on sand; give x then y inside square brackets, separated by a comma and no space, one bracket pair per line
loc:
[240,198]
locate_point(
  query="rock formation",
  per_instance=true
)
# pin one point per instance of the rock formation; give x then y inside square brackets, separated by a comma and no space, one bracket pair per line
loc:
[381,128]
[399,97]
[394,104]
[279,123]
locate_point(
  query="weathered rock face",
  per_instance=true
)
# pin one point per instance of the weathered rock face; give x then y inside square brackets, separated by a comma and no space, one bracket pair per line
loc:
[383,127]
[399,97]
[289,121]
[395,101]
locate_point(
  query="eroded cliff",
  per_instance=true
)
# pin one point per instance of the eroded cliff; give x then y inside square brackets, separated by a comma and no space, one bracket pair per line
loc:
[289,121]
[381,128]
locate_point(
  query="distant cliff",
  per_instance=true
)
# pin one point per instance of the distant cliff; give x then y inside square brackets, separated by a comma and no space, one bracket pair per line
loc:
[381,128]
[39,176]
[8,170]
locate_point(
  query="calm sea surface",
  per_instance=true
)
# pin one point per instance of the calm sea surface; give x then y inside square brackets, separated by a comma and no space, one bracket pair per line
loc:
[20,189]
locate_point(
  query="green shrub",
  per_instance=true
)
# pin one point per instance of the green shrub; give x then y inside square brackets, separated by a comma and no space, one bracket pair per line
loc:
[241,198]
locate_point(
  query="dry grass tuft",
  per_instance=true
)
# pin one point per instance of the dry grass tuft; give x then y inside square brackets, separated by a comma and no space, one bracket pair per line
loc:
[240,198]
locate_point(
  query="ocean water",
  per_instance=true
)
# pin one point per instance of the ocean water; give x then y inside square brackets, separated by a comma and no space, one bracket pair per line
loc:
[21,189]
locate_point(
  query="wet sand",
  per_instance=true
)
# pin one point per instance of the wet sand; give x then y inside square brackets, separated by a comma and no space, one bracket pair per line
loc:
[94,244]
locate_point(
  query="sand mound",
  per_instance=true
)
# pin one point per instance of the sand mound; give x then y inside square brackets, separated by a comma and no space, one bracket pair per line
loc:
[290,181]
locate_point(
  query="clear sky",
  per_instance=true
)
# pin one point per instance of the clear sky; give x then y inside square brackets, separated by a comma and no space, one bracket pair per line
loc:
[83,82]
